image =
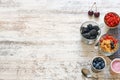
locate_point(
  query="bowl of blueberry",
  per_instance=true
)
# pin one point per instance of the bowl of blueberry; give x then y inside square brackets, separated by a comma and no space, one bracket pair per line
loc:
[98,64]
[90,31]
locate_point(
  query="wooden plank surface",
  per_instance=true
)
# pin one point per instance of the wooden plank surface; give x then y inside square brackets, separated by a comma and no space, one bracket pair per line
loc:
[40,39]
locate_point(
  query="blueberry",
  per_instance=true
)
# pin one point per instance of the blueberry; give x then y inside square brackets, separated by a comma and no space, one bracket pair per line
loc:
[102,61]
[95,60]
[112,45]
[99,59]
[86,35]
[103,65]
[97,66]
[89,26]
[96,28]
[93,32]
[99,63]
[94,64]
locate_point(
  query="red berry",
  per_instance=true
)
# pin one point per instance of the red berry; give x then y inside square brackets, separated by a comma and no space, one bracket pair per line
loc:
[112,19]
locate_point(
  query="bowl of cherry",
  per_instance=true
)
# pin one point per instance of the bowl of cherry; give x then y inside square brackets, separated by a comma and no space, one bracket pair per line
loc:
[112,20]
[90,31]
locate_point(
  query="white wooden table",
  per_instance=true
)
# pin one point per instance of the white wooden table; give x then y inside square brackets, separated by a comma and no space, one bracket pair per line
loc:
[40,39]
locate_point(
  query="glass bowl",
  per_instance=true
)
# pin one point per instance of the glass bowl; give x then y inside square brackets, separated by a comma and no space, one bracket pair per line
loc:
[92,35]
[108,45]
[98,64]
[112,20]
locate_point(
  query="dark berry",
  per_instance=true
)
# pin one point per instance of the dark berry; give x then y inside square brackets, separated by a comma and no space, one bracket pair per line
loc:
[89,26]
[94,64]
[96,14]
[96,28]
[99,59]
[93,37]
[99,63]
[103,65]
[97,66]
[112,45]
[86,35]
[90,12]
[95,60]
[93,32]
[102,61]
[84,30]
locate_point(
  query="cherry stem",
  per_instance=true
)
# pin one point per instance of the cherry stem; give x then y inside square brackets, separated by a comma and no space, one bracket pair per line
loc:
[95,8]
[93,5]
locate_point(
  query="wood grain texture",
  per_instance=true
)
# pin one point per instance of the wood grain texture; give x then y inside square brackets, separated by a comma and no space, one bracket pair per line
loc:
[40,39]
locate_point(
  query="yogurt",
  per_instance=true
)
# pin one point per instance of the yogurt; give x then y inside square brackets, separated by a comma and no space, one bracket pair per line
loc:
[115,65]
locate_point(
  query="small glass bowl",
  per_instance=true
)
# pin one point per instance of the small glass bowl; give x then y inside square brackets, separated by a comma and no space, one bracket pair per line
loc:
[112,20]
[101,51]
[93,68]
[89,41]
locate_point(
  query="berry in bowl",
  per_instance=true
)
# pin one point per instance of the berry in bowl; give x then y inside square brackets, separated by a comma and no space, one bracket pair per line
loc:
[90,31]
[98,64]
[108,45]
[112,20]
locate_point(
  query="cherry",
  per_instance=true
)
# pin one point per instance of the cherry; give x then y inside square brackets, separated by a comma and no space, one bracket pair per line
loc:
[90,12]
[97,14]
